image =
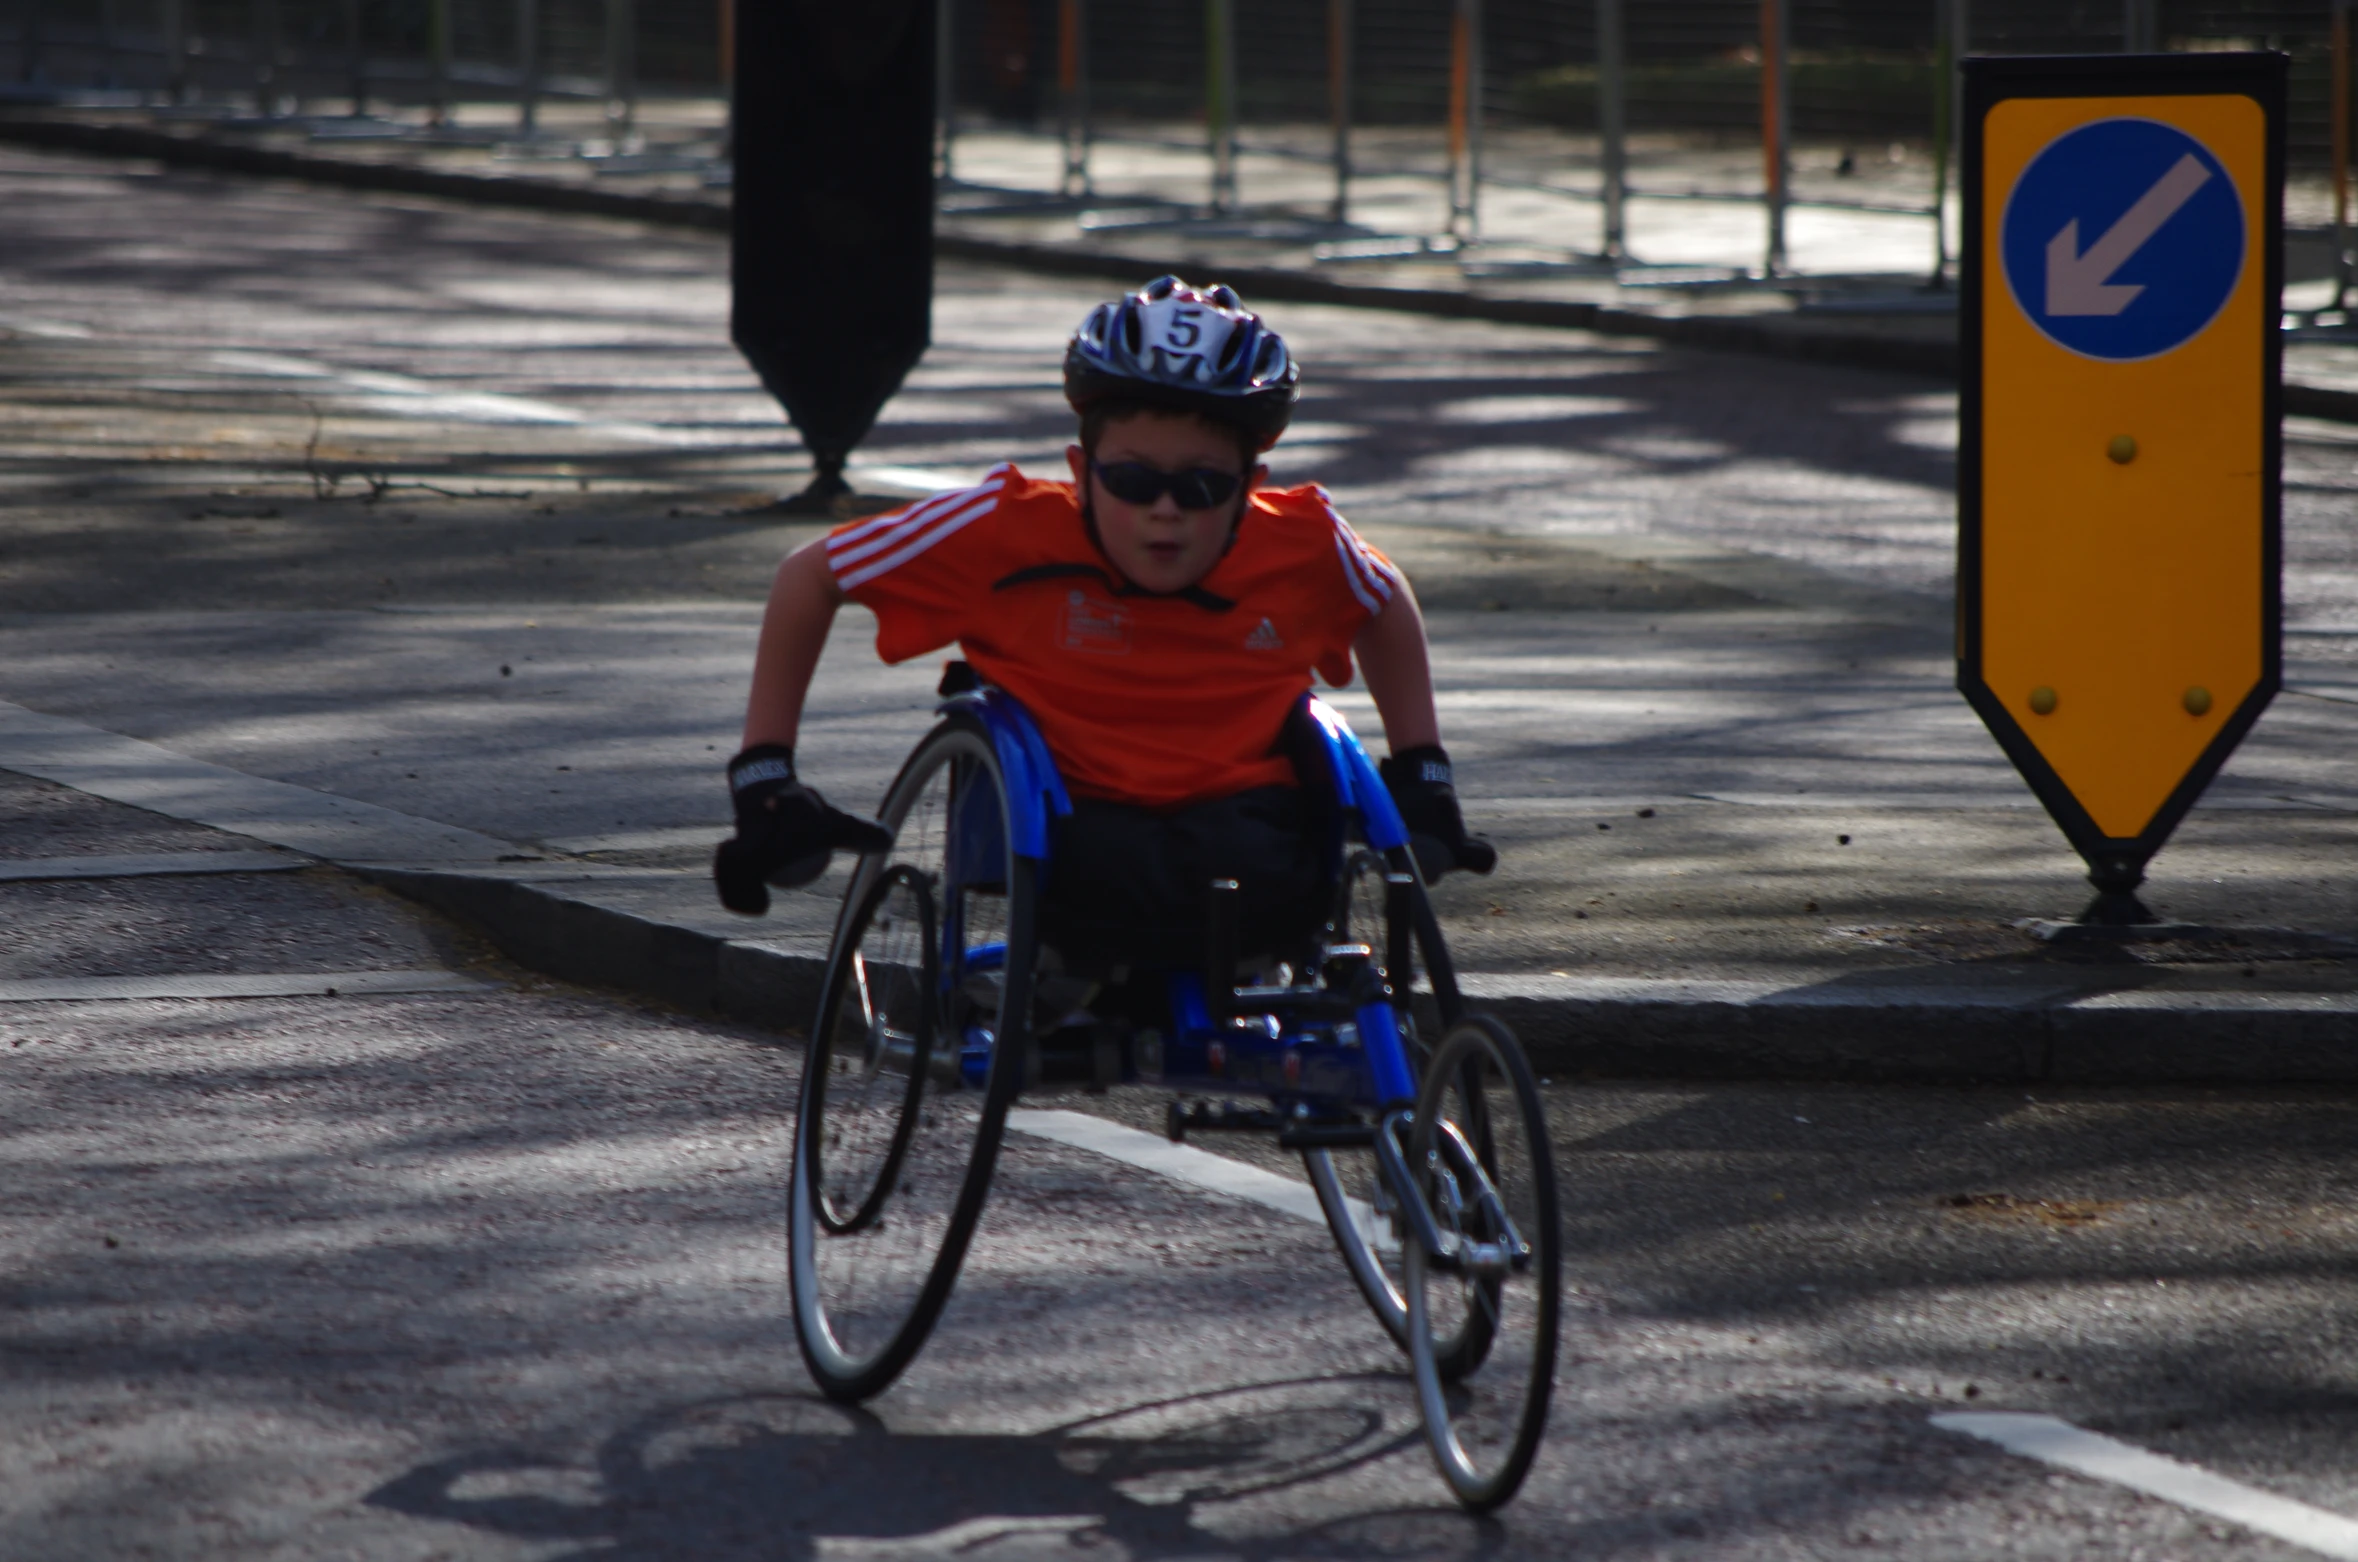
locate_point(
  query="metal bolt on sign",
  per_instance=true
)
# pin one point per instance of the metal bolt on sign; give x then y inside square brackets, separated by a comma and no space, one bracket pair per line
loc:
[2118,492]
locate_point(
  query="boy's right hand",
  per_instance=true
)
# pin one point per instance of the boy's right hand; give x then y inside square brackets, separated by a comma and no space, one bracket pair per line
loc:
[785,831]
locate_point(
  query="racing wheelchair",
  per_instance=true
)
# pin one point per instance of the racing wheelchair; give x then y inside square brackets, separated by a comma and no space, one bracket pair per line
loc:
[939,1008]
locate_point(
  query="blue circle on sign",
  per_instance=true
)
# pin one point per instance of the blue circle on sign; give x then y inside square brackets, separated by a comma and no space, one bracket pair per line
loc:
[2122,239]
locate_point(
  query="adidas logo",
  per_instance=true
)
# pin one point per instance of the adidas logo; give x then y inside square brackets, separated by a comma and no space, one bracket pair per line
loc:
[1265,638]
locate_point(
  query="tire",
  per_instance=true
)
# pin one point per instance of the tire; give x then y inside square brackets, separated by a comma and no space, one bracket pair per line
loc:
[1351,1189]
[895,1138]
[1479,1107]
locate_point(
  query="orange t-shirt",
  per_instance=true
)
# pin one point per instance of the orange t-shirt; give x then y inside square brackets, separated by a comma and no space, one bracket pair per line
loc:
[1159,700]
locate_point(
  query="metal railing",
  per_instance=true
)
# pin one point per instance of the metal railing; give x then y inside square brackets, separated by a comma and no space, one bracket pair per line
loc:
[282,58]
[1299,81]
[1619,114]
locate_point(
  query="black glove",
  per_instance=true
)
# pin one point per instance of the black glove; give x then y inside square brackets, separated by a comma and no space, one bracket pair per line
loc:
[785,831]
[1426,795]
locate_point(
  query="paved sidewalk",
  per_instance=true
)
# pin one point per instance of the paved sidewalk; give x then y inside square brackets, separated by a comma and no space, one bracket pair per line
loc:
[1857,296]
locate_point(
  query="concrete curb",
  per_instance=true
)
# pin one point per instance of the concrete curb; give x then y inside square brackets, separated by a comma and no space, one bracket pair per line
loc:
[1898,1037]
[1776,337]
[578,940]
[2038,1031]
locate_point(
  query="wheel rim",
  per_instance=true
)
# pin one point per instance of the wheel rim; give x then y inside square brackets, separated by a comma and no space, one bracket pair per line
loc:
[894,1151]
[1484,1425]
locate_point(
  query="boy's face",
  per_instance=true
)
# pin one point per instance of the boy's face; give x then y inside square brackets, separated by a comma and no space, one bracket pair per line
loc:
[1161,546]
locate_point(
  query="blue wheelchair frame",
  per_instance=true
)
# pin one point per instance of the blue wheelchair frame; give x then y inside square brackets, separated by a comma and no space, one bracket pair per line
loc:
[1330,1048]
[1315,1058]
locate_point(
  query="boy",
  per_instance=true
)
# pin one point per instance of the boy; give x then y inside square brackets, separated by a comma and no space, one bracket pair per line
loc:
[1160,617]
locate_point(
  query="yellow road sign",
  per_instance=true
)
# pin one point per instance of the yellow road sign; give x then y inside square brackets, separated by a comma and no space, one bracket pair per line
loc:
[2117,471]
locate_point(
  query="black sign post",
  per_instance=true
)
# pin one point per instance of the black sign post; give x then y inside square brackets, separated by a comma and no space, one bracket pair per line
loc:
[832,230]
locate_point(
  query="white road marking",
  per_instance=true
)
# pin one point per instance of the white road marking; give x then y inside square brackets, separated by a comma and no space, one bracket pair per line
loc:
[706,835]
[154,865]
[402,396]
[916,477]
[2057,1442]
[1179,1162]
[57,330]
[301,984]
[1063,1533]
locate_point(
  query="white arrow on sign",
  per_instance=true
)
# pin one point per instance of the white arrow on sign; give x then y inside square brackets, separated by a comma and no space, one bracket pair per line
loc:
[2080,284]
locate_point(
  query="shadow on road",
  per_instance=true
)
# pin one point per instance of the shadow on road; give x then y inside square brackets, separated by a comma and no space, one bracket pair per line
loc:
[779,1476]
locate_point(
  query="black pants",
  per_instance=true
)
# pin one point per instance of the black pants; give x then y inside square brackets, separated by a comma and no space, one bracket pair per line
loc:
[1130,886]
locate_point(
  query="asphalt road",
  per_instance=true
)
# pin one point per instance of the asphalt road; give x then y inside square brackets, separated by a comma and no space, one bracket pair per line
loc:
[500,1274]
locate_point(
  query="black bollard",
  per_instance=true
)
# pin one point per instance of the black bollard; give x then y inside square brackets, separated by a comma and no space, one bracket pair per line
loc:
[832,231]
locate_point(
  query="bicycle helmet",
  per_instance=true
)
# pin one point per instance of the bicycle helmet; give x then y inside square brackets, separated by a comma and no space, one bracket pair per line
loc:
[1191,349]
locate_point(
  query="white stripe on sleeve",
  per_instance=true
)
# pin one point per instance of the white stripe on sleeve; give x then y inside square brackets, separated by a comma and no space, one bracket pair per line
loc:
[956,520]
[1352,578]
[853,551]
[1371,580]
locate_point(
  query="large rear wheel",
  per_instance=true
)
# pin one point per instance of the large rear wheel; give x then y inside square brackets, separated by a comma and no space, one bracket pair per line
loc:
[906,1085]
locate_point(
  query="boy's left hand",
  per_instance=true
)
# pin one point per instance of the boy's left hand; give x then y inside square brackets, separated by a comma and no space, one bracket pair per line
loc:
[1425,791]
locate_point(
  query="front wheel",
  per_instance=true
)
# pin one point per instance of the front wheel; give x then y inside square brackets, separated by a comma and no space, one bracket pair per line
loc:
[1352,1192]
[1480,1162]
[906,1086]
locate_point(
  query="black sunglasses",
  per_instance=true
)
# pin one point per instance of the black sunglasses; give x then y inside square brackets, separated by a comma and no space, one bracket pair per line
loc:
[1197,488]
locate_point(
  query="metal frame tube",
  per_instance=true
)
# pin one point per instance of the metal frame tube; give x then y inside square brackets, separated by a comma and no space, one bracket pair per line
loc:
[726,69]
[622,76]
[1775,120]
[1613,128]
[176,51]
[1465,121]
[528,83]
[1341,36]
[30,40]
[438,47]
[2339,100]
[1944,91]
[2140,27]
[1960,45]
[356,56]
[945,94]
[1072,91]
[262,17]
[1220,99]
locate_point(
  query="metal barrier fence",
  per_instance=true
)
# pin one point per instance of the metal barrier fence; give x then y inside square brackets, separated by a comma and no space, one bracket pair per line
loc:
[1576,99]
[283,57]
[1607,109]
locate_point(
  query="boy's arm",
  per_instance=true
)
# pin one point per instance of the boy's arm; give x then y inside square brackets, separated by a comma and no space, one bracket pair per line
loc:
[1399,672]
[803,600]
[1398,667]
[785,830]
